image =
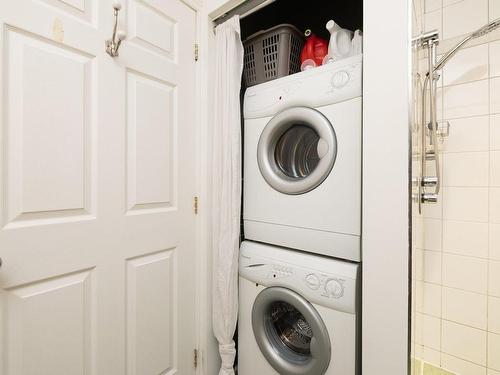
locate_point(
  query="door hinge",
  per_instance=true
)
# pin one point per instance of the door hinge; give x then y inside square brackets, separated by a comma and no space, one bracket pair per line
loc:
[196,52]
[195,205]
[195,358]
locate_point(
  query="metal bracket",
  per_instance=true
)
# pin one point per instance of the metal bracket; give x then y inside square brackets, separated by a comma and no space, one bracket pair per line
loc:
[431,37]
[113,44]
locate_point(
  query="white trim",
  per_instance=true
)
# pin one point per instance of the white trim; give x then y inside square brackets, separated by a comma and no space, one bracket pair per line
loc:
[385,241]
[193,4]
[208,359]
[224,8]
[201,230]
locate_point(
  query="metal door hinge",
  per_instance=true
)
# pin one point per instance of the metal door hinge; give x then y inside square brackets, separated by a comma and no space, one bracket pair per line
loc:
[196,52]
[195,358]
[195,205]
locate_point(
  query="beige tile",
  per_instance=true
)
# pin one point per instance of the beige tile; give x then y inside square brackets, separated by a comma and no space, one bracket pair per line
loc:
[494,351]
[465,169]
[470,64]
[465,203]
[495,132]
[431,299]
[433,21]
[468,134]
[434,211]
[493,372]
[495,241]
[432,5]
[495,168]
[495,205]
[439,102]
[466,238]
[432,267]
[464,17]
[431,355]
[461,367]
[494,279]
[428,331]
[432,234]
[428,299]
[495,95]
[494,58]
[417,348]
[465,307]
[494,9]
[470,274]
[464,342]
[466,100]
[418,261]
[494,315]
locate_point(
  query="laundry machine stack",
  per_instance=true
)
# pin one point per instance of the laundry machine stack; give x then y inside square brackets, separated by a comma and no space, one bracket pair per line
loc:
[299,263]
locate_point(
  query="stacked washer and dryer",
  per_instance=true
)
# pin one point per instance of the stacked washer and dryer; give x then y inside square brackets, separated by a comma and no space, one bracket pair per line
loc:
[299,264]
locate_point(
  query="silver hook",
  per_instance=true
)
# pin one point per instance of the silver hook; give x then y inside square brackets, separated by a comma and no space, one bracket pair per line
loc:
[113,44]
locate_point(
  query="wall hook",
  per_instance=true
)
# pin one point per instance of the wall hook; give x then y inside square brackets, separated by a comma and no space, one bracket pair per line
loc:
[113,44]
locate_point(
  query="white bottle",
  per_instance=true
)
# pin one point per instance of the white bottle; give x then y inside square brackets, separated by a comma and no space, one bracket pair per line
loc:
[340,44]
[357,43]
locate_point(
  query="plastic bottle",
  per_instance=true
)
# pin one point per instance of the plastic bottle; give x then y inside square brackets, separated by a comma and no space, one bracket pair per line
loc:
[340,45]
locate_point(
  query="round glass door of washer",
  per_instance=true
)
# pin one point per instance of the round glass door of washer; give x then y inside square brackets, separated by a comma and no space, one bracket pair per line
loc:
[297,150]
[290,333]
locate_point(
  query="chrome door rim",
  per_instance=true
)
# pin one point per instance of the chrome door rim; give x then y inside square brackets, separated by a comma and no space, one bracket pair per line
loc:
[283,361]
[270,136]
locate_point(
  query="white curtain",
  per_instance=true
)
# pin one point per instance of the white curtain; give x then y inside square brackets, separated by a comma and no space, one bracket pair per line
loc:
[226,188]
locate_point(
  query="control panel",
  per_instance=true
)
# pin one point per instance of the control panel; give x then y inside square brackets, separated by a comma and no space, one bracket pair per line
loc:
[335,290]
[330,287]
[324,85]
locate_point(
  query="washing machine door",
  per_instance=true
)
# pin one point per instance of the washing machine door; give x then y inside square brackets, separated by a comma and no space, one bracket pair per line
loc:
[290,333]
[297,150]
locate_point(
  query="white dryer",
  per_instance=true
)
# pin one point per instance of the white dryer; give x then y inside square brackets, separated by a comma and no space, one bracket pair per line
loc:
[302,160]
[298,313]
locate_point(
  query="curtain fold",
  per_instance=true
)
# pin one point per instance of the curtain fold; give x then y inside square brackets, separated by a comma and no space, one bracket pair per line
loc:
[226,188]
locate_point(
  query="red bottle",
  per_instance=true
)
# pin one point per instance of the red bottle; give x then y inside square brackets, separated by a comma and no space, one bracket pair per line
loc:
[315,48]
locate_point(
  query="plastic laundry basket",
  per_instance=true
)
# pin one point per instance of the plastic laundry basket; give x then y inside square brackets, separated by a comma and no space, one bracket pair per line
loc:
[272,54]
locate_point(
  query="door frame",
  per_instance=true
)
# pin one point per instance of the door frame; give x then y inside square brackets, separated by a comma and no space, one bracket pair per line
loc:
[207,357]
[386,187]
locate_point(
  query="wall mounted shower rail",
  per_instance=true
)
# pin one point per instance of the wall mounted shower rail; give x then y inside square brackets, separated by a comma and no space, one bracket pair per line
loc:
[428,41]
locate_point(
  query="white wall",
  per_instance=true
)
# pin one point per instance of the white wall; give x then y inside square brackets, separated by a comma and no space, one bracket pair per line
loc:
[385,187]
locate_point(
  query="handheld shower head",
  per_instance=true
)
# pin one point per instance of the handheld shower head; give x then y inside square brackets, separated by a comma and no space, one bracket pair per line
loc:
[493,25]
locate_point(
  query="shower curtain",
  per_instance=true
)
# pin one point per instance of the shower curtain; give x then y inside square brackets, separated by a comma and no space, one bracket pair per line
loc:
[226,188]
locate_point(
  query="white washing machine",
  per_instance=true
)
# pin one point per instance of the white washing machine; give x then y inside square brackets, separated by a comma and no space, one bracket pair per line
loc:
[302,160]
[298,313]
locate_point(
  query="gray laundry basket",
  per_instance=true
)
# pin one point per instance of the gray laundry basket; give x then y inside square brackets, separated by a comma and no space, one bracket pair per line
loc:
[271,54]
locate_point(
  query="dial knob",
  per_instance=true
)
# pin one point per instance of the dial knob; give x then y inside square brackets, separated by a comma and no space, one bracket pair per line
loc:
[313,281]
[340,79]
[334,288]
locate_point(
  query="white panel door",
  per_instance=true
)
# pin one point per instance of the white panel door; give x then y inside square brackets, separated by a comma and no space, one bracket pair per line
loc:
[97,179]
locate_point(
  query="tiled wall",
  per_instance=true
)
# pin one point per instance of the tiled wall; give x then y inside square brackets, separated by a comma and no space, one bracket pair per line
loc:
[457,322]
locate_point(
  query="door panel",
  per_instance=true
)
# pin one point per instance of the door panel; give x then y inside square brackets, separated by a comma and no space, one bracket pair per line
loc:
[97,178]
[151,114]
[49,98]
[39,337]
[150,312]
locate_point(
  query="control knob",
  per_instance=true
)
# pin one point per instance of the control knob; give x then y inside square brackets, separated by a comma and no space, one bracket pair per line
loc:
[340,79]
[334,288]
[313,281]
